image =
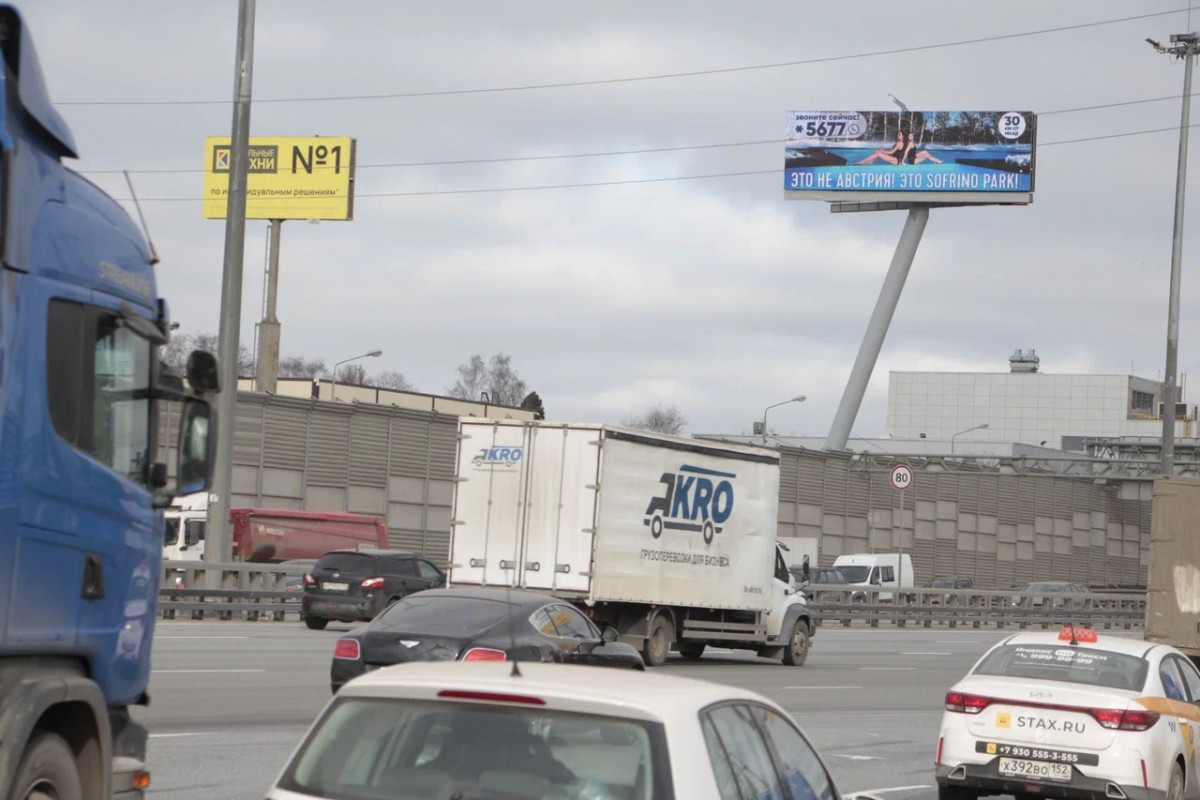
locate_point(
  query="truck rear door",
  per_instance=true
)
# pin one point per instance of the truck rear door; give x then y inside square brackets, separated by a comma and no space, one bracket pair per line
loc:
[563,465]
[489,504]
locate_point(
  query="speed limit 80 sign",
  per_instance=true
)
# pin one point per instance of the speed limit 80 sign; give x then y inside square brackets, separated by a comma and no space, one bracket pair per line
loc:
[901,477]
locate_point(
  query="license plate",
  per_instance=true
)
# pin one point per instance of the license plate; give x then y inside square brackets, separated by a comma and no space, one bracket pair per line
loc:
[1028,753]
[332,586]
[1038,770]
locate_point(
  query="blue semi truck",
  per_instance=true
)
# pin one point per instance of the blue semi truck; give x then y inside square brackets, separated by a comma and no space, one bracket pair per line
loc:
[84,470]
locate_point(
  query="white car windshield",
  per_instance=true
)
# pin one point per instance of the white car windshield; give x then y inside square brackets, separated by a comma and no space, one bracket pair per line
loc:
[378,749]
[1048,662]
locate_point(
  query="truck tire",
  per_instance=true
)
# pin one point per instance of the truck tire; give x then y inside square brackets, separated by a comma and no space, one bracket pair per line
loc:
[315,624]
[47,770]
[691,650]
[795,652]
[658,643]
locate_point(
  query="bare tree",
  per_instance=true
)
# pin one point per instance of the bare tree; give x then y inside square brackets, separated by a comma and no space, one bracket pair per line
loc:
[391,379]
[659,418]
[352,374]
[496,377]
[176,353]
[301,367]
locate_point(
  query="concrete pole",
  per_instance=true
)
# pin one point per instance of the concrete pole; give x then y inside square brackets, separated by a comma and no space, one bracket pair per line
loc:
[881,318]
[268,329]
[218,545]
[1172,367]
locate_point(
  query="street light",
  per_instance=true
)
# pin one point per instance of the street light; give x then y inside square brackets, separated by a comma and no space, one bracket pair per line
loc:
[333,390]
[982,427]
[797,399]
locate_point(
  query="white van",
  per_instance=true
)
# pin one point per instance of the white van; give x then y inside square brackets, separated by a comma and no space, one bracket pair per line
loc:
[876,571]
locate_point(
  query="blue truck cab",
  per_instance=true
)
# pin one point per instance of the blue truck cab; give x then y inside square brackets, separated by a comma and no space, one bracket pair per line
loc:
[86,466]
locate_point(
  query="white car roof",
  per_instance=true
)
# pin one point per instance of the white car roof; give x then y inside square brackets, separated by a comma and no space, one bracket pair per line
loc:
[599,690]
[1115,644]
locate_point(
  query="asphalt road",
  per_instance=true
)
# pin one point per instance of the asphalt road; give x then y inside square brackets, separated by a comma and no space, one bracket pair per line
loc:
[230,701]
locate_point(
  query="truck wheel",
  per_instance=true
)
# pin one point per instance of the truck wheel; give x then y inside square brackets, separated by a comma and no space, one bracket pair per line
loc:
[691,650]
[658,643]
[47,770]
[315,624]
[796,651]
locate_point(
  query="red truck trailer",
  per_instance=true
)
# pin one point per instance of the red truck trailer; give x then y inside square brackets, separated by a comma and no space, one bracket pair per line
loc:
[264,535]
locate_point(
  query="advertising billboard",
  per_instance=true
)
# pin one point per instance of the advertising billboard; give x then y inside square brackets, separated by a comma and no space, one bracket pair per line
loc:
[916,156]
[308,177]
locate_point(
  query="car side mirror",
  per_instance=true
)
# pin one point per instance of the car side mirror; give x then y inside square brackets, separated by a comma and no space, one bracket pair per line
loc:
[610,634]
[202,372]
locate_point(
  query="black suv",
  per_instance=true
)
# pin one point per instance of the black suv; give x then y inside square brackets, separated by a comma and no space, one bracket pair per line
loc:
[351,585]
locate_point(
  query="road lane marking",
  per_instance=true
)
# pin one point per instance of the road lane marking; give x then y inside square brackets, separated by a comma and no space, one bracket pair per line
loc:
[177,735]
[857,757]
[892,789]
[200,671]
[169,636]
[822,687]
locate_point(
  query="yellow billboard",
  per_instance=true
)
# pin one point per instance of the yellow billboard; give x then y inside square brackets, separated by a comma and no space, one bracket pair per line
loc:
[308,177]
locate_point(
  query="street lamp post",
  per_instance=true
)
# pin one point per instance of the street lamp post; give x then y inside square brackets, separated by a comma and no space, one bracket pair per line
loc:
[333,390]
[1185,46]
[797,399]
[982,427]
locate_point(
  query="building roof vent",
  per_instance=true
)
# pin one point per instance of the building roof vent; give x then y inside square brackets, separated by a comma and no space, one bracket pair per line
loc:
[1026,361]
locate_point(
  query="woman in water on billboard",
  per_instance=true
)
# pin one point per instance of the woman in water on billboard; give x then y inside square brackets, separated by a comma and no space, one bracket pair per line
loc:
[904,152]
[911,156]
[892,156]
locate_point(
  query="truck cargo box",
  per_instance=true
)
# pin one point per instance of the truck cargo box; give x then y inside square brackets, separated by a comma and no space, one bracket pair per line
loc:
[611,514]
[261,534]
[1173,600]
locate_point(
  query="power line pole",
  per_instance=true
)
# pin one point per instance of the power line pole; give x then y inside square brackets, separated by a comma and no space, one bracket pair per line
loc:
[218,546]
[1184,45]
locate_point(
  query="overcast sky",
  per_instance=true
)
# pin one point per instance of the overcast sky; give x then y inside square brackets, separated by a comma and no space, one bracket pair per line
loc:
[713,294]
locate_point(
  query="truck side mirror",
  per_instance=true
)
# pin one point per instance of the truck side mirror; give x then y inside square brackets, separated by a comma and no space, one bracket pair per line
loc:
[610,634]
[197,447]
[202,372]
[805,571]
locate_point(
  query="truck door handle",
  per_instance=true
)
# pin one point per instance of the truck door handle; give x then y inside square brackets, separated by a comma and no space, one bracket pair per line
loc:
[93,577]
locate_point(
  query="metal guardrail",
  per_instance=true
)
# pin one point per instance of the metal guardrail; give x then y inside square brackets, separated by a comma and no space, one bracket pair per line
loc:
[200,590]
[975,608]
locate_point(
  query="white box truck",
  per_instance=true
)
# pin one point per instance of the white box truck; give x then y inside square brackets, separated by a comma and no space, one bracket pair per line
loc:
[669,540]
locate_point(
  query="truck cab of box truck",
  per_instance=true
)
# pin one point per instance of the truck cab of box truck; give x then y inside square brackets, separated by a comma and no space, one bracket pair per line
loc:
[85,466]
[184,528]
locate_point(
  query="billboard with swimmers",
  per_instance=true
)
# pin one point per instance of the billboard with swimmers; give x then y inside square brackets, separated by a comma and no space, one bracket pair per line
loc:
[930,156]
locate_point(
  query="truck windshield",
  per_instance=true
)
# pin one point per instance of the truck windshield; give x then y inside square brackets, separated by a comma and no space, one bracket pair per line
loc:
[855,574]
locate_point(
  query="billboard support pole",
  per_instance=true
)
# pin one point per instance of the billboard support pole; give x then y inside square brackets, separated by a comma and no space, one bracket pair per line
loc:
[268,338]
[219,546]
[881,318]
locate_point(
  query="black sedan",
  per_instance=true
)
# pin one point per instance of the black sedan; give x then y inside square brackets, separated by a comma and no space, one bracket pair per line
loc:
[478,624]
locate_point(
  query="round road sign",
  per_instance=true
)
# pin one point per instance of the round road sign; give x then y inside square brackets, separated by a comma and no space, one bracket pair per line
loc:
[901,477]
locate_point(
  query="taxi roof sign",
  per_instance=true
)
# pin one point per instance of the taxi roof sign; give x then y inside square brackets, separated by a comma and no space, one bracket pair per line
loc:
[1077,633]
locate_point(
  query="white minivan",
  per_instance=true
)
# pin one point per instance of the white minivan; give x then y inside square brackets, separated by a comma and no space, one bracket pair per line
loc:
[876,571]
